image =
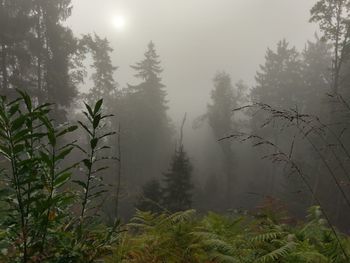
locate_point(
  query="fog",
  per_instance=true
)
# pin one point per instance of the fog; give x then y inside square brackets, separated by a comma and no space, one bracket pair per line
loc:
[195,39]
[119,110]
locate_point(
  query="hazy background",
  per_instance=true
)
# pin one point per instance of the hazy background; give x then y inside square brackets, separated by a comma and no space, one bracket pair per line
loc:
[195,39]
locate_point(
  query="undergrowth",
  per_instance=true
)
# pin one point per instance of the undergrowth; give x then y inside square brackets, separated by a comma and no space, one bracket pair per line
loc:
[187,237]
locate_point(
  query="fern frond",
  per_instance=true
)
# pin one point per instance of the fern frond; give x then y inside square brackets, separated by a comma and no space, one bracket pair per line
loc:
[266,237]
[278,253]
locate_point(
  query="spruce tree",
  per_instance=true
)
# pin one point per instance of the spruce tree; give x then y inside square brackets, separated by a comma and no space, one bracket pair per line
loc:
[145,120]
[279,82]
[177,191]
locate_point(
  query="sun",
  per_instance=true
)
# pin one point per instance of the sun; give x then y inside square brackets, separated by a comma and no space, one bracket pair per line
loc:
[119,22]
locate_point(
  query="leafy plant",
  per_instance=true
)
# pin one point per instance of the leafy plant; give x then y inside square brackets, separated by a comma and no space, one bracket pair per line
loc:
[37,223]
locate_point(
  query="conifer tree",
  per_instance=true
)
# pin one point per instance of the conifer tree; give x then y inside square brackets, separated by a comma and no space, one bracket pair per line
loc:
[279,82]
[177,190]
[37,51]
[178,186]
[220,117]
[53,48]
[145,120]
[316,64]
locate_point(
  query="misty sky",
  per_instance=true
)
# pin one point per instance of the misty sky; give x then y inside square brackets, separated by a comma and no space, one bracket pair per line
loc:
[195,39]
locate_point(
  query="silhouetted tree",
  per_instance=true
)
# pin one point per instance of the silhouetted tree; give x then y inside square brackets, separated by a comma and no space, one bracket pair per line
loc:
[333,19]
[15,33]
[38,51]
[177,194]
[53,48]
[316,72]
[220,117]
[279,81]
[145,120]
[104,85]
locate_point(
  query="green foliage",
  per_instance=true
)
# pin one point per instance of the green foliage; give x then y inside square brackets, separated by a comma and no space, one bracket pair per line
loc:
[185,237]
[38,51]
[37,221]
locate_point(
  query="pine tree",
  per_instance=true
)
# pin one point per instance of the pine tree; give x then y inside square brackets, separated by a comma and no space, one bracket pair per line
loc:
[177,194]
[279,81]
[145,120]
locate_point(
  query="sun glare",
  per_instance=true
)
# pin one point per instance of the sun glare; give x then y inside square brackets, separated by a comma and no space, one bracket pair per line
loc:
[119,22]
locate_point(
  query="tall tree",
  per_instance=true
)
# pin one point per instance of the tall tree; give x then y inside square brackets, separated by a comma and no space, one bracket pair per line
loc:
[280,84]
[15,32]
[104,85]
[316,65]
[38,52]
[279,81]
[220,117]
[53,48]
[333,19]
[146,121]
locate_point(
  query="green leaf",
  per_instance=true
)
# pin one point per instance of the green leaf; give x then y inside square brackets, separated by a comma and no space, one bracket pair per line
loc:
[81,183]
[107,134]
[52,138]
[98,106]
[27,99]
[67,169]
[96,121]
[62,179]
[85,128]
[89,109]
[63,154]
[45,157]
[14,109]
[21,135]
[67,130]
[18,148]
[18,123]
